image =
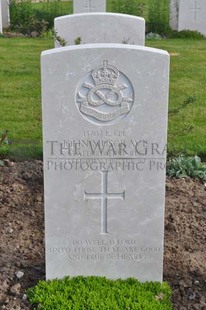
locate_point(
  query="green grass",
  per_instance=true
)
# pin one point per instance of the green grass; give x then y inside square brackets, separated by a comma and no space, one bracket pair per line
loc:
[20,102]
[97,293]
[187,128]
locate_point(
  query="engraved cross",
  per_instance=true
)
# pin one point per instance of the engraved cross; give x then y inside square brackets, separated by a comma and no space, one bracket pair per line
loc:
[195,9]
[89,6]
[104,196]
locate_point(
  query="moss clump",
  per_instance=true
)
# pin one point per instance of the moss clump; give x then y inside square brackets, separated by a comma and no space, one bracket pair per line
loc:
[93,293]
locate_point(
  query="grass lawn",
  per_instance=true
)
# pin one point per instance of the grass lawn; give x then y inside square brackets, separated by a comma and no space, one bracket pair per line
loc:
[20,102]
[20,98]
[187,128]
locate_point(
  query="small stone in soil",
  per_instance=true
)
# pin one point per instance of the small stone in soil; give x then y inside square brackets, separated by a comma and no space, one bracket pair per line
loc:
[15,289]
[8,163]
[10,230]
[19,274]
[192,296]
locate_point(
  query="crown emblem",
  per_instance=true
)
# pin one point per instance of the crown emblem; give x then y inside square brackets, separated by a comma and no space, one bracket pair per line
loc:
[105,95]
[106,74]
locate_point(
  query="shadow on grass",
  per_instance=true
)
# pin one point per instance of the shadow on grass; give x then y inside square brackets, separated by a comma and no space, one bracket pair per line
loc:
[22,150]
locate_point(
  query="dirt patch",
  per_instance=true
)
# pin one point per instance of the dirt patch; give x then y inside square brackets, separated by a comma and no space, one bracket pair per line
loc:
[174,54]
[22,245]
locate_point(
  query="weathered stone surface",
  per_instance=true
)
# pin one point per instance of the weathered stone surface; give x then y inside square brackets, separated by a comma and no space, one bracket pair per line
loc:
[105,124]
[100,28]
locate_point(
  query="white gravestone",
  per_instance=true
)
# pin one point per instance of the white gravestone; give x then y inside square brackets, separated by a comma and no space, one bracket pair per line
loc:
[104,127]
[188,15]
[192,15]
[1,27]
[5,13]
[174,8]
[100,28]
[87,6]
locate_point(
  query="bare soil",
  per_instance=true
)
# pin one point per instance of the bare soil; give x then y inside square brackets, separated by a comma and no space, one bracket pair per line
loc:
[22,237]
